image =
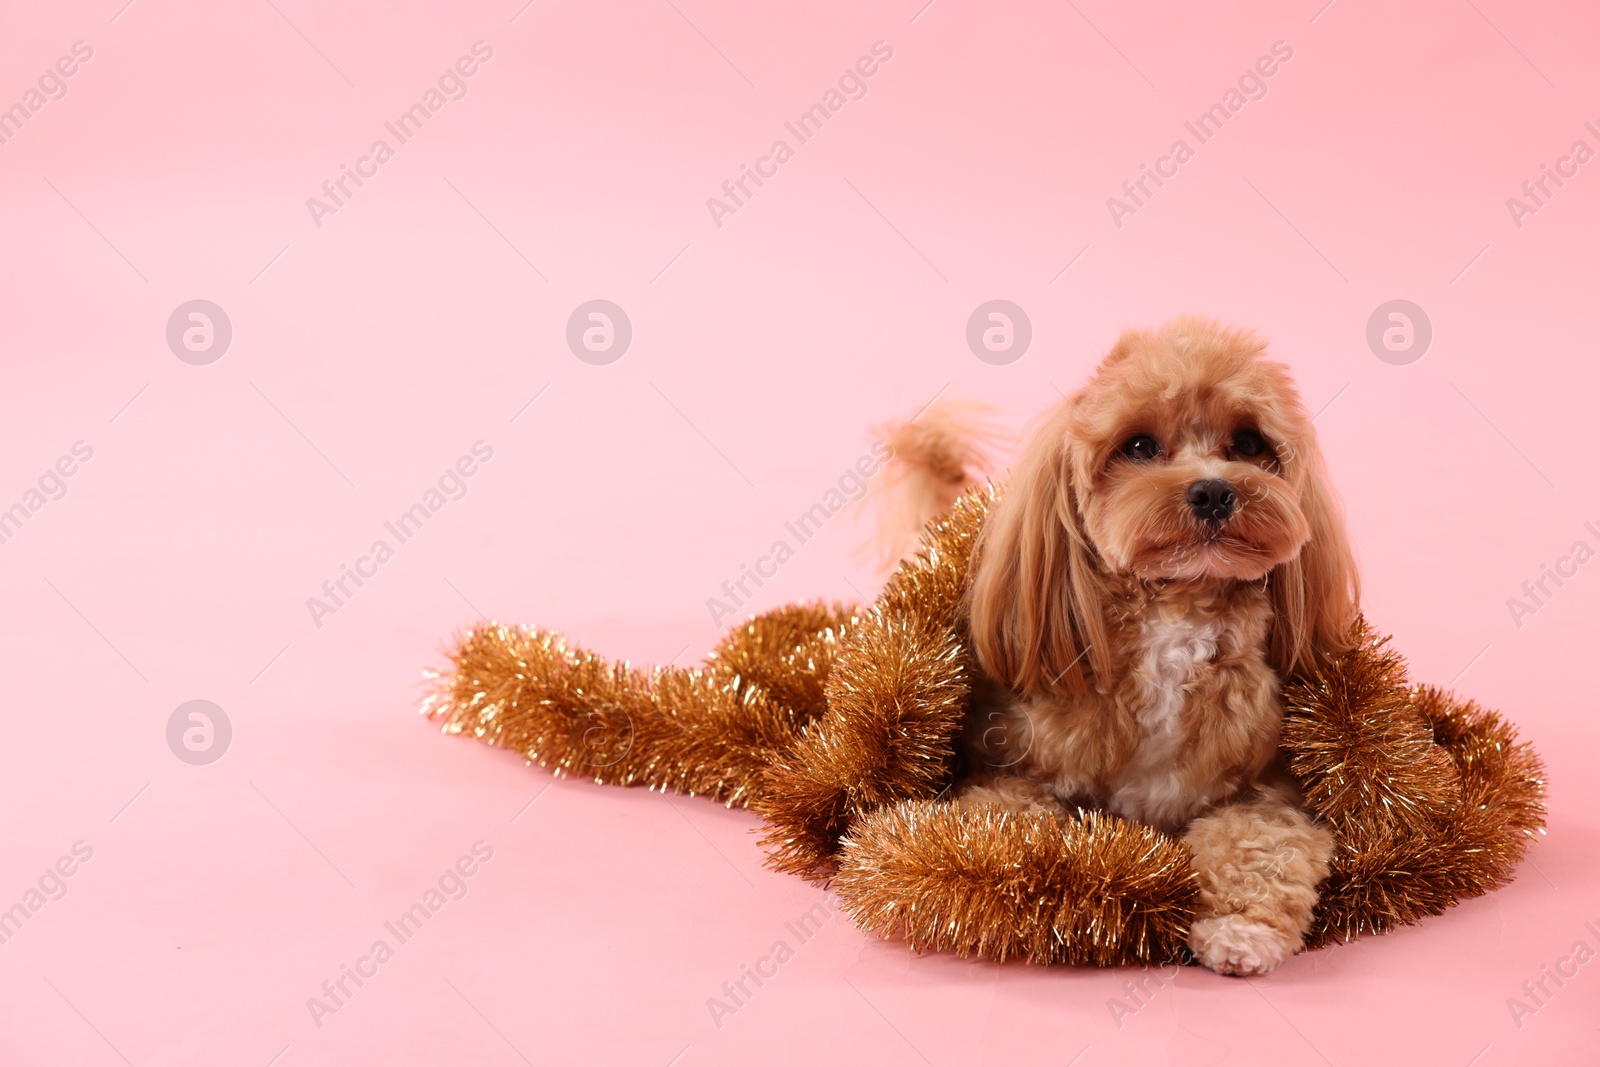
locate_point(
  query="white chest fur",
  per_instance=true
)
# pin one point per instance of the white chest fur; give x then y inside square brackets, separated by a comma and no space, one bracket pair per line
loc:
[1173,649]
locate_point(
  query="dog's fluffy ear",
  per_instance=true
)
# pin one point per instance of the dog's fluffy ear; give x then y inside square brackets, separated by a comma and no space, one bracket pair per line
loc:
[1035,592]
[1316,595]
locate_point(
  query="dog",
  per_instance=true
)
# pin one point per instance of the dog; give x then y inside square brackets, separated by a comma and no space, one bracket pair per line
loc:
[1165,552]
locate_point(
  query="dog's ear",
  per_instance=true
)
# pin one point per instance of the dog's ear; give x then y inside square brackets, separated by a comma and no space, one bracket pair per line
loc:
[1316,595]
[1036,589]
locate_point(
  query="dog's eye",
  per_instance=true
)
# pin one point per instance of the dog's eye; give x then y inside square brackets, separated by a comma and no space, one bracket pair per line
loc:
[1141,448]
[1248,443]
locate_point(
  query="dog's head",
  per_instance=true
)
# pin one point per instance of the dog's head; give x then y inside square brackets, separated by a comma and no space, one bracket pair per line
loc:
[1187,458]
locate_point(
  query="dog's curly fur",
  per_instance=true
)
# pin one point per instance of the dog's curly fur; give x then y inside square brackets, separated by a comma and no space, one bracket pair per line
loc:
[1166,552]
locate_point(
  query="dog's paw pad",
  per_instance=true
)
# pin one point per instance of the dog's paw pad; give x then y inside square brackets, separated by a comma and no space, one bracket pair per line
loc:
[1232,944]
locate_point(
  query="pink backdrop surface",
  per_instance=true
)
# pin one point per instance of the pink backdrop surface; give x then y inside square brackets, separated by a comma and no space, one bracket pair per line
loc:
[425,311]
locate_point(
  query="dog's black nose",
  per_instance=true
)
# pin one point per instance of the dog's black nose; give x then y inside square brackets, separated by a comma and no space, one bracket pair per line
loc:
[1212,500]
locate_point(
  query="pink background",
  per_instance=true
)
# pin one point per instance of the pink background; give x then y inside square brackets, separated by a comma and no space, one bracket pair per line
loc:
[371,352]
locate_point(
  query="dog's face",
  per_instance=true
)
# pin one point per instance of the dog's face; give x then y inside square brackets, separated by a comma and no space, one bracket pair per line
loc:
[1188,457]
[1186,451]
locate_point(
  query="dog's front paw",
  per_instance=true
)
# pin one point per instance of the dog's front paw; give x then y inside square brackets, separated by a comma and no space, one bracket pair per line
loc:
[1233,944]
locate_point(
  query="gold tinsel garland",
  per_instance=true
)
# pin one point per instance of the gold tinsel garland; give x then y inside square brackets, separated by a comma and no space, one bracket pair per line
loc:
[838,726]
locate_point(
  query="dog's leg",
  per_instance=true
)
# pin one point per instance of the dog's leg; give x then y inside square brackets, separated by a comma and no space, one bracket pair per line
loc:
[1010,792]
[1259,862]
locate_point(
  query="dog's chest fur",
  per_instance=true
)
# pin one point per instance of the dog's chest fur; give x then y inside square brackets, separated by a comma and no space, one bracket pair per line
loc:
[1198,705]
[1191,715]
[1171,651]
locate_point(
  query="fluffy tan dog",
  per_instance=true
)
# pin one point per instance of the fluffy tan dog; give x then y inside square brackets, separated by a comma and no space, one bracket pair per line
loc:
[1166,550]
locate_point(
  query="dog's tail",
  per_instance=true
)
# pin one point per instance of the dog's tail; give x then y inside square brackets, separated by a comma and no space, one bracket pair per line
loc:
[936,456]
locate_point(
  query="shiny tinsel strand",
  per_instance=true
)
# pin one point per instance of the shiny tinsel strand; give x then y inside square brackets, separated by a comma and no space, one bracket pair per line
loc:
[1431,798]
[1095,889]
[711,730]
[895,698]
